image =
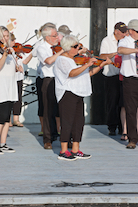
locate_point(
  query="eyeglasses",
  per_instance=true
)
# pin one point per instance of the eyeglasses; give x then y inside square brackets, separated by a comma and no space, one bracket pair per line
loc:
[75,46]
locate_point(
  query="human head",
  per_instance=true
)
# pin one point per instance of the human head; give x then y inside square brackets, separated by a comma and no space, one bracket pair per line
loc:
[133,28]
[49,33]
[60,36]
[68,41]
[50,24]
[64,30]
[12,39]
[4,35]
[120,30]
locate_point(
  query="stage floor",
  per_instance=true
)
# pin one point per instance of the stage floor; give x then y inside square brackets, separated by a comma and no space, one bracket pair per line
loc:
[33,175]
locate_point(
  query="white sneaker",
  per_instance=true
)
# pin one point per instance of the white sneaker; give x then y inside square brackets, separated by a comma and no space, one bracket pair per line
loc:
[5,148]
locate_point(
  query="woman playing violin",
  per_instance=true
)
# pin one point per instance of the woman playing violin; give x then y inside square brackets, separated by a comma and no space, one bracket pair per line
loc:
[8,88]
[17,106]
[72,84]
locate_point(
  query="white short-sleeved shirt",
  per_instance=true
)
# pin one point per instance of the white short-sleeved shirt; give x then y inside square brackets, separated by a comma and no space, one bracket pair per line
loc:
[34,54]
[44,51]
[8,82]
[79,85]
[128,67]
[109,45]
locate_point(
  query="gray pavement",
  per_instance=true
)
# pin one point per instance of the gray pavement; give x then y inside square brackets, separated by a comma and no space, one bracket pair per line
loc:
[33,175]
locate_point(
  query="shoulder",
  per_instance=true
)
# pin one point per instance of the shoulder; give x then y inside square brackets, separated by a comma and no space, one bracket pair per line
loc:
[125,41]
[43,47]
[107,38]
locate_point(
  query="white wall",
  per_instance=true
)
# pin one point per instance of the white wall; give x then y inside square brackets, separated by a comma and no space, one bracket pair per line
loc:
[31,18]
[120,15]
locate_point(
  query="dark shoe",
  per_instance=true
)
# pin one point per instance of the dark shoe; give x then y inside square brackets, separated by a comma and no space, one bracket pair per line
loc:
[131,145]
[124,137]
[66,156]
[81,155]
[47,146]
[111,133]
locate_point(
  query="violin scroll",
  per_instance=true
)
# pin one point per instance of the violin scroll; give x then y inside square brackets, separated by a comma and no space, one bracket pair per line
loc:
[5,48]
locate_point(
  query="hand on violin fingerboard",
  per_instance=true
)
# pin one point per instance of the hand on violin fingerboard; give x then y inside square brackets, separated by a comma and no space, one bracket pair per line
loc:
[83,50]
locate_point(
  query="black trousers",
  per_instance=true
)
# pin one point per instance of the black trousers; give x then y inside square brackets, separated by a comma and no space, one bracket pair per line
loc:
[130,90]
[71,111]
[5,111]
[17,106]
[50,109]
[112,96]
[39,83]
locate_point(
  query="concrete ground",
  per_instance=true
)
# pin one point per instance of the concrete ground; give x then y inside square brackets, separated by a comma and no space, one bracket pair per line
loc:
[33,175]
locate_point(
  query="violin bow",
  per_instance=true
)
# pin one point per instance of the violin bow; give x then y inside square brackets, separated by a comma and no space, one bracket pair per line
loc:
[36,33]
[82,37]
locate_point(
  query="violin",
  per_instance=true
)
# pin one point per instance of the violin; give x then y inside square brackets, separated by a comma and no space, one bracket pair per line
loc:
[56,48]
[82,59]
[3,48]
[19,48]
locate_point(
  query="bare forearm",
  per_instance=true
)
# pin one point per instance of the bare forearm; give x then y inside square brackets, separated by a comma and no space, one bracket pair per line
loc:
[27,60]
[97,69]
[77,71]
[110,55]
[53,58]
[127,51]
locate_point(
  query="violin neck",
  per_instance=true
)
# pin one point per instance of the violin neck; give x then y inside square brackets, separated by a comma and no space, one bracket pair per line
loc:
[89,54]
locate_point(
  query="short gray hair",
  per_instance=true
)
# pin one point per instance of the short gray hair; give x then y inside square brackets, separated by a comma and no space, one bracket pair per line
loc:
[46,29]
[68,41]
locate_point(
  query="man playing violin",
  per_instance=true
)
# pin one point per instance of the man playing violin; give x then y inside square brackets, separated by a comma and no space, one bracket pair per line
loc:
[111,77]
[47,59]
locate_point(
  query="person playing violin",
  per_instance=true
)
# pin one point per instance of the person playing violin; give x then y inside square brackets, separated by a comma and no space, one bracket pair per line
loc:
[111,78]
[8,87]
[47,59]
[72,83]
[17,106]
[39,80]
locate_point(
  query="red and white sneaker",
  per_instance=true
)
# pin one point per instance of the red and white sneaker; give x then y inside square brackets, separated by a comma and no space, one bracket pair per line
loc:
[81,155]
[66,156]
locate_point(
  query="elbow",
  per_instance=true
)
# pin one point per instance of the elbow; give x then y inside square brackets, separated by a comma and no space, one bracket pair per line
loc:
[71,74]
[48,61]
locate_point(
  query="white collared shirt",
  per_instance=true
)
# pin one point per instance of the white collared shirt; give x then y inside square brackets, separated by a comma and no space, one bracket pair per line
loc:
[109,45]
[79,85]
[44,51]
[128,67]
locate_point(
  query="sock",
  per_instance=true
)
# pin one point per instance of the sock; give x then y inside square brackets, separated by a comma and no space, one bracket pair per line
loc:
[2,144]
